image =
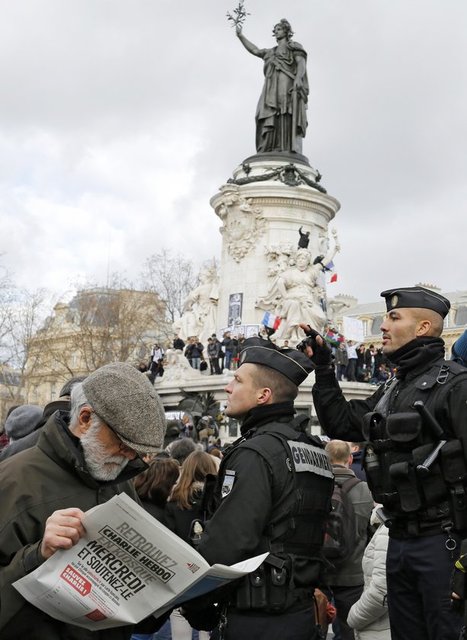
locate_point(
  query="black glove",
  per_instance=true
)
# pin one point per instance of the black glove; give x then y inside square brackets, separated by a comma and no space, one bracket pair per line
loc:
[204,618]
[204,612]
[322,354]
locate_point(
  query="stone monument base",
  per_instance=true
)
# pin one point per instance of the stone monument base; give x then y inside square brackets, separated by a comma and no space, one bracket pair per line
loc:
[278,156]
[263,207]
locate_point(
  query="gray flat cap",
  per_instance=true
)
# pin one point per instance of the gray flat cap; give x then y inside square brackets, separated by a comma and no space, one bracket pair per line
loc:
[126,401]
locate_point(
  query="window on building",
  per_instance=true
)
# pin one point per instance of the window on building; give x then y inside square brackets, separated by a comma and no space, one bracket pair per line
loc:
[376,324]
[461,316]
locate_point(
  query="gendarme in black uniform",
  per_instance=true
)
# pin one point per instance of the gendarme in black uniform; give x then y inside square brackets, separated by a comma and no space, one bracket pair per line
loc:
[273,495]
[425,500]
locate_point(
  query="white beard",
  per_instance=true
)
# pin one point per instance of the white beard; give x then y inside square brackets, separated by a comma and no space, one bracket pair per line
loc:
[100,465]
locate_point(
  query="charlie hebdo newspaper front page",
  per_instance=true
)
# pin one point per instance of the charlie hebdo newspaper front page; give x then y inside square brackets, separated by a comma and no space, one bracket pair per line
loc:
[127,567]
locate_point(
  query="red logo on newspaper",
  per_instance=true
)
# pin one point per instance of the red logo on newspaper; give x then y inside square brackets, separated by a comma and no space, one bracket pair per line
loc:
[76,580]
[96,615]
[192,567]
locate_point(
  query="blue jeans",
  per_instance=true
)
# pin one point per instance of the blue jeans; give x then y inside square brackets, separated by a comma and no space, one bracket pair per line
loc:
[228,359]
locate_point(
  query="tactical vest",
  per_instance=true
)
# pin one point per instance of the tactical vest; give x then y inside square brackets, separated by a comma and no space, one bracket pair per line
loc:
[416,466]
[301,506]
[302,487]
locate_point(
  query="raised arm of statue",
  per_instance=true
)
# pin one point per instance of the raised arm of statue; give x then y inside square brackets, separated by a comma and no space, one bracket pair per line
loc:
[249,46]
[332,252]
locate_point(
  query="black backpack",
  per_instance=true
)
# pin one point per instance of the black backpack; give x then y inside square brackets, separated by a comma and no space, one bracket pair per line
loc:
[340,528]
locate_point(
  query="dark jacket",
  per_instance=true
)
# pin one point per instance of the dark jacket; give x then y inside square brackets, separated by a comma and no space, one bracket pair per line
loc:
[35,483]
[179,520]
[341,357]
[257,491]
[419,365]
[350,572]
[194,350]
[228,344]
[213,349]
[32,438]
[155,511]
[357,464]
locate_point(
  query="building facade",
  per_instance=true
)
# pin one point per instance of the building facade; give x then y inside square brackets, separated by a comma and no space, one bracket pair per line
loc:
[371,315]
[97,327]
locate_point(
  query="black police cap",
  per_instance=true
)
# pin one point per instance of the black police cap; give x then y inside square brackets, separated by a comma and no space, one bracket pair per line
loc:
[416,297]
[293,364]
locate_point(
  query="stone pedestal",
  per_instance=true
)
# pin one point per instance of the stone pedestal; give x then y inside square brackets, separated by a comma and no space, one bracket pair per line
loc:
[262,208]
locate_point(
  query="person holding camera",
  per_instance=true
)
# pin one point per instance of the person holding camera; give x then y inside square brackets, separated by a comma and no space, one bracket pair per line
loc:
[415,457]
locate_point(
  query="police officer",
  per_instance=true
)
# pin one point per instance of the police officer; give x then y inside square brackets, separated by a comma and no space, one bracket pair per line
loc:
[273,495]
[415,427]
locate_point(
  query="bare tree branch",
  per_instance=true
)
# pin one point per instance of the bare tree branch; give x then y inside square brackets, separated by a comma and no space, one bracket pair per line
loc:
[172,277]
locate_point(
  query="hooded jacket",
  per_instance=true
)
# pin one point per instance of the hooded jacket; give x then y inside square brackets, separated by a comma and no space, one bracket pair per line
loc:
[35,483]
[369,615]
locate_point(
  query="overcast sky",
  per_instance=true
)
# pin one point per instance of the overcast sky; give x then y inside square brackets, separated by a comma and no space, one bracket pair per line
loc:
[119,120]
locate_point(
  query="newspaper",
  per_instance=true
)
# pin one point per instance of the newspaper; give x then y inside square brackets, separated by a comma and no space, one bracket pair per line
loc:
[127,567]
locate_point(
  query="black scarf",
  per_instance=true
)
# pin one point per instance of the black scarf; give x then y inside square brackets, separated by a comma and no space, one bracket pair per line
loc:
[266,413]
[416,354]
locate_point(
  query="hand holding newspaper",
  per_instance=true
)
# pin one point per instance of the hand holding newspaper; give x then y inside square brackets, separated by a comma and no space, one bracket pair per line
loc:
[127,567]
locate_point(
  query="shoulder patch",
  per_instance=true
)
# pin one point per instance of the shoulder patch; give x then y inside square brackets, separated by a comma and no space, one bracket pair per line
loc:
[227,483]
[306,457]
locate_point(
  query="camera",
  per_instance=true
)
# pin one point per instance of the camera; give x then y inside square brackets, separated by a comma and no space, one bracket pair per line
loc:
[306,342]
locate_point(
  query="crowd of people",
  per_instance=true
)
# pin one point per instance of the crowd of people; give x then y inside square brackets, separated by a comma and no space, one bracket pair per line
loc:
[354,362]
[363,527]
[357,362]
[220,354]
[217,354]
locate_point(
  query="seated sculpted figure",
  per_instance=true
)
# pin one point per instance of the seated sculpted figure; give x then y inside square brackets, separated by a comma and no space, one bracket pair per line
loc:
[299,291]
[297,295]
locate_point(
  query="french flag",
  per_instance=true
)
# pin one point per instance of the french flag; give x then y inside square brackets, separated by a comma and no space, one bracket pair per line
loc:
[270,321]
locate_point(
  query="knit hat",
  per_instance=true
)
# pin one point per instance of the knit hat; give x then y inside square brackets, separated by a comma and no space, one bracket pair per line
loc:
[22,421]
[126,401]
[459,349]
[293,364]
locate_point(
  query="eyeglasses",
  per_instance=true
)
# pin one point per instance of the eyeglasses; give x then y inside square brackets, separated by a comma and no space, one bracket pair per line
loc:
[122,447]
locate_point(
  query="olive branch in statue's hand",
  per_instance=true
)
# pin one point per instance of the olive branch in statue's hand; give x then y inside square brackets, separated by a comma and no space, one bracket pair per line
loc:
[239,16]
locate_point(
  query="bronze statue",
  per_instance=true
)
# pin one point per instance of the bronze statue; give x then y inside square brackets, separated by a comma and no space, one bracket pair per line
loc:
[304,239]
[281,113]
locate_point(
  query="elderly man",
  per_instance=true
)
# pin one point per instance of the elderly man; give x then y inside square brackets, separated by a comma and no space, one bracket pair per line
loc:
[273,495]
[415,457]
[82,459]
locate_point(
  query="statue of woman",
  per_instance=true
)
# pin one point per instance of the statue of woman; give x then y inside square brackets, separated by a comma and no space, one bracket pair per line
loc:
[281,113]
[300,293]
[200,308]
